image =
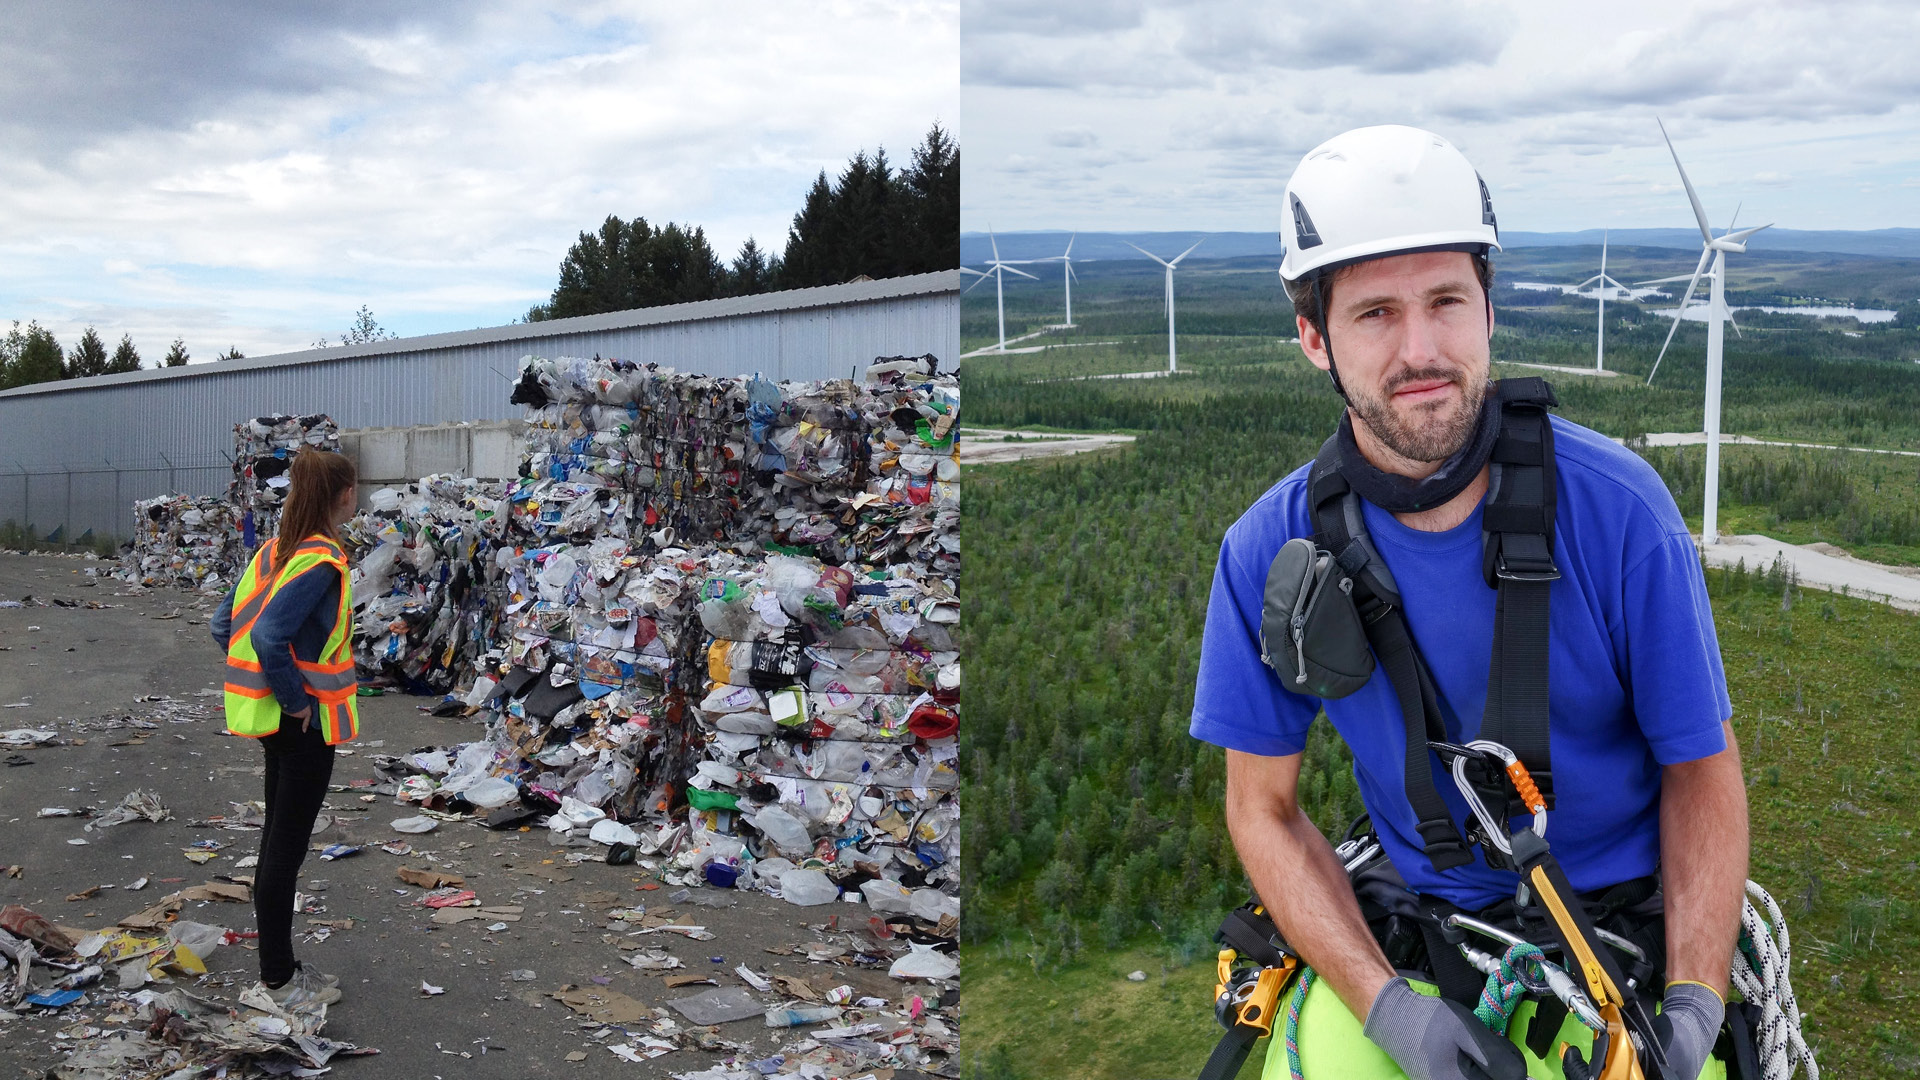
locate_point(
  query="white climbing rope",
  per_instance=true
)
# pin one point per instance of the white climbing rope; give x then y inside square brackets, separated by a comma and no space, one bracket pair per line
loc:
[1763,978]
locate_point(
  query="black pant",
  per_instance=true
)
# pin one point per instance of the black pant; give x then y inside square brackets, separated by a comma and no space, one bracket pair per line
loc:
[299,765]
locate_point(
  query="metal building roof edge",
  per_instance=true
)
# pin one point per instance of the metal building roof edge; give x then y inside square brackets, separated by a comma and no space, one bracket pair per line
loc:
[854,292]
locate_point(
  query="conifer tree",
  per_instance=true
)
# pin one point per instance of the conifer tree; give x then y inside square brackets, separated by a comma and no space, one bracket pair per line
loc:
[125,357]
[29,356]
[176,355]
[752,271]
[88,358]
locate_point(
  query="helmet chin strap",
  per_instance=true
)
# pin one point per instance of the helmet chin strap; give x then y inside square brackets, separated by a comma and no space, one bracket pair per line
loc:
[1326,339]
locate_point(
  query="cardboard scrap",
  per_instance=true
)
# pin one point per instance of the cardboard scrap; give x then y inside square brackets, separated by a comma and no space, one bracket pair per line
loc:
[161,912]
[674,981]
[453,916]
[603,1005]
[430,879]
[795,986]
[213,890]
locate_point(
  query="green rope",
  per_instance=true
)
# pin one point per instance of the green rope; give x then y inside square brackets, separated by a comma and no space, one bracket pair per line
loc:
[1298,999]
[1504,989]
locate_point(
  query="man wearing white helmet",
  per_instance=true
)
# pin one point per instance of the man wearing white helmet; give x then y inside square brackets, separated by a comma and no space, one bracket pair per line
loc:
[1576,564]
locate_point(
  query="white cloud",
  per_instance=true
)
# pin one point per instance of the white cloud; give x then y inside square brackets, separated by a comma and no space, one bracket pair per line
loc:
[1776,102]
[437,170]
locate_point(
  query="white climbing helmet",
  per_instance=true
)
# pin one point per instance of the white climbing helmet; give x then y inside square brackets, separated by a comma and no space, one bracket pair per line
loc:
[1387,190]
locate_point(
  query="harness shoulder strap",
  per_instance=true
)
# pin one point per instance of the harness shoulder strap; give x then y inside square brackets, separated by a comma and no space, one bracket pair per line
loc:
[1517,560]
[1341,530]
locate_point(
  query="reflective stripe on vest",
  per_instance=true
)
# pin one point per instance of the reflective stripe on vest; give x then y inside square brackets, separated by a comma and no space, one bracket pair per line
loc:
[252,709]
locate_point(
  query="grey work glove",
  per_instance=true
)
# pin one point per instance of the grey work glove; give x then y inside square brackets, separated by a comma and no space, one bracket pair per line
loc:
[1432,1038]
[1687,1027]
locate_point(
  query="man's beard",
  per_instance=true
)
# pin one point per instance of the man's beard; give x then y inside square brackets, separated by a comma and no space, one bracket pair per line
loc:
[1423,436]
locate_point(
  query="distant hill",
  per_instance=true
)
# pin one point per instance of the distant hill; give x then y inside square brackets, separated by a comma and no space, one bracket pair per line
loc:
[974,249]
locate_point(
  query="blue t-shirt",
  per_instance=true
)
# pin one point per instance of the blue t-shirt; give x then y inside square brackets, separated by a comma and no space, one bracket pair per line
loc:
[1633,665]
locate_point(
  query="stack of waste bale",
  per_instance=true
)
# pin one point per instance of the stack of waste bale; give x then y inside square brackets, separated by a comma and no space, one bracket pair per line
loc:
[739,593]
[830,722]
[619,449]
[263,450]
[426,581]
[184,542]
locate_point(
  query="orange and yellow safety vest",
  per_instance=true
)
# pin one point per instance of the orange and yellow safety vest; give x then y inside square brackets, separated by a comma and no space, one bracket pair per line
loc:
[252,710]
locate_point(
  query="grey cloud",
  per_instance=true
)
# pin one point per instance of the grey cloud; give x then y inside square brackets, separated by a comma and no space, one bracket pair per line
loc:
[1059,18]
[1025,44]
[1775,62]
[1379,39]
[1073,138]
[73,72]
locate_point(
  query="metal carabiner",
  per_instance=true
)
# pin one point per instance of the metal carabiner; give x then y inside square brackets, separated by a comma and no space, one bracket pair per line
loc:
[1554,978]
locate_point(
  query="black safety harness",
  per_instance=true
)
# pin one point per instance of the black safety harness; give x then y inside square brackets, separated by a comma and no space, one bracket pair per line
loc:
[1517,562]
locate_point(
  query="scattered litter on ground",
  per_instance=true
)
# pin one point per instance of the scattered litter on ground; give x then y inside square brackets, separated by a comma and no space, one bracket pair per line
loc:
[139,804]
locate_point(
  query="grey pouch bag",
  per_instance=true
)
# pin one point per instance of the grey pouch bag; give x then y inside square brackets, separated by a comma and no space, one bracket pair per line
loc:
[1310,632]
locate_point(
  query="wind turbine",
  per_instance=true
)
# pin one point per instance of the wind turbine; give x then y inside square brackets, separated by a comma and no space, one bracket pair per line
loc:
[1067,275]
[1712,248]
[1600,349]
[1172,359]
[995,271]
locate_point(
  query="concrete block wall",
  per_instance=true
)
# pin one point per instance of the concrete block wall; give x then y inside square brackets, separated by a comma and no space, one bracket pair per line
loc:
[391,457]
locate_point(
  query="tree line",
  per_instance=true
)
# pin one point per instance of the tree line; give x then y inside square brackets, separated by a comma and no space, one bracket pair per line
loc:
[871,221]
[33,355]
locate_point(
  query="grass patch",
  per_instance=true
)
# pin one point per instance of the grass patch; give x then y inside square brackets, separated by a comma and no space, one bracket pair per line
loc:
[1089,1020]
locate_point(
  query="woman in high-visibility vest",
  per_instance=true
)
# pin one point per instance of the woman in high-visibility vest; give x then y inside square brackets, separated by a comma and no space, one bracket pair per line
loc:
[287,629]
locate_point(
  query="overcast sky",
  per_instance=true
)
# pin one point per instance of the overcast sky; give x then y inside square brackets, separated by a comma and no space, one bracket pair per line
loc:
[251,173]
[1125,114]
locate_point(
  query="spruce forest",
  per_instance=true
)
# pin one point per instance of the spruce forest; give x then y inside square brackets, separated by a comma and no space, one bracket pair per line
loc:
[1095,822]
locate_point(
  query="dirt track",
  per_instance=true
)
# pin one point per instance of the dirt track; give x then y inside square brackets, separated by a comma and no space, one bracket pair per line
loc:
[985,447]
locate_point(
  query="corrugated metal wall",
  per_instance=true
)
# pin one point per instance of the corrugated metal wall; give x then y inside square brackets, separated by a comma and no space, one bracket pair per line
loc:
[79,454]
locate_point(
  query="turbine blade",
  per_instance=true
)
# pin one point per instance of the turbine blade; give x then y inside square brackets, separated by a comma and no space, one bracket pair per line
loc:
[996,243]
[1667,280]
[975,285]
[1588,282]
[1071,273]
[1679,313]
[1009,269]
[971,270]
[1145,252]
[1741,236]
[1736,217]
[1189,251]
[1735,325]
[1070,240]
[1699,213]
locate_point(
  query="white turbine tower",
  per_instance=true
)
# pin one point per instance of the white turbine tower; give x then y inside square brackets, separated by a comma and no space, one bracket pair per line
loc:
[1067,275]
[1172,357]
[1604,282]
[1712,248]
[995,269]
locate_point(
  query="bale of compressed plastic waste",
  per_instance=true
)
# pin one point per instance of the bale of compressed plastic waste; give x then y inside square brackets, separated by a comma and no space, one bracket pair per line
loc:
[185,542]
[263,450]
[722,610]
[425,581]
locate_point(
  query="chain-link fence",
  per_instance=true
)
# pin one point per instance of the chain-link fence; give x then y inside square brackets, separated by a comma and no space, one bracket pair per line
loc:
[93,505]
